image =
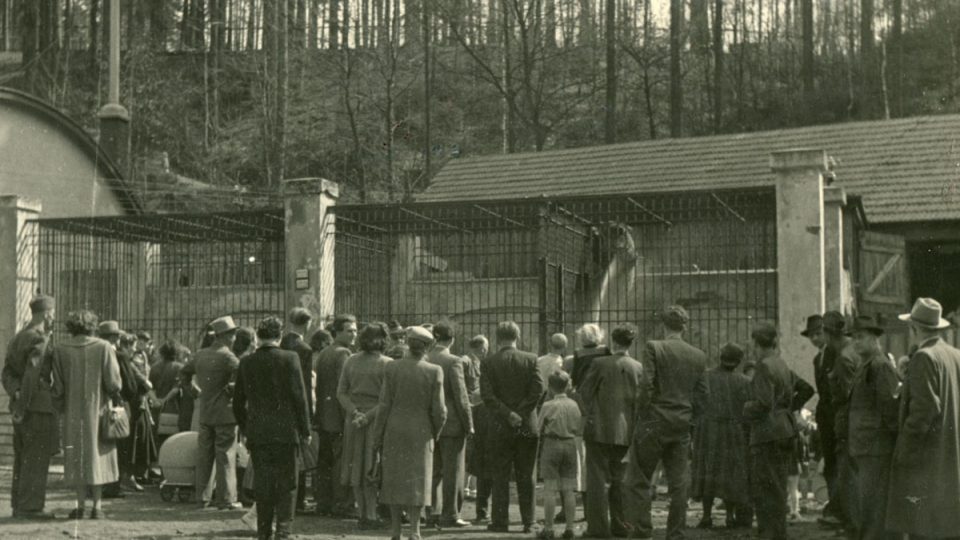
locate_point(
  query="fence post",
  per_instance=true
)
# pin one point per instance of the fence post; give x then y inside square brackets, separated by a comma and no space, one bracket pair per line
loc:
[309,241]
[838,289]
[799,176]
[18,277]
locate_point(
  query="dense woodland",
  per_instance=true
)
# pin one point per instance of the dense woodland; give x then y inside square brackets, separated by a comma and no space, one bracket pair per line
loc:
[378,94]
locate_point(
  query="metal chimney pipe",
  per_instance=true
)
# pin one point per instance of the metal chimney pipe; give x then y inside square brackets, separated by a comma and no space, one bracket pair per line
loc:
[113,95]
[114,117]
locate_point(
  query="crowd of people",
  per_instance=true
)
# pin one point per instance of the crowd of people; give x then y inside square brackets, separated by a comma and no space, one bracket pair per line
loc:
[393,428]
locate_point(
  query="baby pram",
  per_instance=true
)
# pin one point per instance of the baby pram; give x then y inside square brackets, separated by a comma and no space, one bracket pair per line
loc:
[178,458]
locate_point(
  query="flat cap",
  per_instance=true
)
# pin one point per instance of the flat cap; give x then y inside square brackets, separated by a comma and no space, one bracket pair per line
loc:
[419,333]
[109,328]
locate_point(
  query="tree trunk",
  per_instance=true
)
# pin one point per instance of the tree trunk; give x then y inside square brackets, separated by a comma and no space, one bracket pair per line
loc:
[806,7]
[868,80]
[282,83]
[700,26]
[718,66]
[550,24]
[896,60]
[313,28]
[94,32]
[334,25]
[507,77]
[676,86]
[586,23]
[610,134]
[427,32]
[252,26]
[345,26]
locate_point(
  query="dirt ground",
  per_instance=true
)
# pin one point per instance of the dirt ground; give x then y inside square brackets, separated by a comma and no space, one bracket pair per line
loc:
[146,516]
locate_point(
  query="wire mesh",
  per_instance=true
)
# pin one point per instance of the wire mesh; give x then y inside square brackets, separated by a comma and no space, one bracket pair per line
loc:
[169,275]
[552,265]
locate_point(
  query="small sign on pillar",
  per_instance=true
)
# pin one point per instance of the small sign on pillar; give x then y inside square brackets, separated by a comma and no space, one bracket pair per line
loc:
[302,279]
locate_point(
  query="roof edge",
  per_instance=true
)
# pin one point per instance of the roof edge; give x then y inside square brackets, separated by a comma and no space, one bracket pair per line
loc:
[79,135]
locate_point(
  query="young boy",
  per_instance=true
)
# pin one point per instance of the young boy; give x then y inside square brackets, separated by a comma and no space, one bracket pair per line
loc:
[560,422]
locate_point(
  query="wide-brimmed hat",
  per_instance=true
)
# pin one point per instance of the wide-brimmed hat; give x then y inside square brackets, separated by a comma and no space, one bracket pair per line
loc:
[814,324]
[835,322]
[109,328]
[223,325]
[864,323]
[926,313]
[419,333]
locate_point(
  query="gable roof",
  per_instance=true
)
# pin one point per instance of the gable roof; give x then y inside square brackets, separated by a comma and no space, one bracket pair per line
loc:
[905,169]
[75,132]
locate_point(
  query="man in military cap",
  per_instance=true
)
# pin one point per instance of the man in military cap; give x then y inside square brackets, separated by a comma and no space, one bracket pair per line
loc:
[26,378]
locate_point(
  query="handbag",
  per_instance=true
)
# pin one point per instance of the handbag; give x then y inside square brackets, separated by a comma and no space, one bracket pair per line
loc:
[114,422]
[168,423]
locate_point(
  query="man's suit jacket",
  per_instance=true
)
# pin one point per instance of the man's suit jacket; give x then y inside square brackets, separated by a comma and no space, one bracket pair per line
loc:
[294,342]
[674,371]
[216,371]
[773,397]
[270,401]
[510,382]
[329,366]
[27,369]
[613,394]
[459,417]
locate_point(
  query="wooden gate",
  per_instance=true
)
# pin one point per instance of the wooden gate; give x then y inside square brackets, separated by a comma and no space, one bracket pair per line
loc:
[884,286]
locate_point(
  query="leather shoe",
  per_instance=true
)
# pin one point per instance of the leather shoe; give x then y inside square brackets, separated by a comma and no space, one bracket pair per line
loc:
[454,523]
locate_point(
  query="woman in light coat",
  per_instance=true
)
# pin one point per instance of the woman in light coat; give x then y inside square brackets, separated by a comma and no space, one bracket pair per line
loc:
[85,375]
[359,394]
[411,415]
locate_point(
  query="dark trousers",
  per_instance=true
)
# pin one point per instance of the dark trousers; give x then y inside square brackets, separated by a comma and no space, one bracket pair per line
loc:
[217,452]
[873,475]
[330,495]
[828,449]
[34,440]
[648,450]
[484,489]
[846,488]
[519,455]
[769,467]
[274,487]
[604,502]
[449,467]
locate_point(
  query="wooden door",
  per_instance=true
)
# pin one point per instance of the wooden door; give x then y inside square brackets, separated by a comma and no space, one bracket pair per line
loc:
[883,286]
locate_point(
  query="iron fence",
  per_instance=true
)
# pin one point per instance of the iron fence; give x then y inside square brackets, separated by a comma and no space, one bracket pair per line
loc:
[169,275]
[554,264]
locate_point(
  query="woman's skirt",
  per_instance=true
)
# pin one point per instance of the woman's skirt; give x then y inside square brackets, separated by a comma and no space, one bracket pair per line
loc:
[358,454]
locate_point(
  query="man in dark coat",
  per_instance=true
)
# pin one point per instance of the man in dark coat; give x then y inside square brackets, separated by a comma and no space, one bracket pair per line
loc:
[776,393]
[270,405]
[449,461]
[511,389]
[336,498]
[26,378]
[873,427]
[674,372]
[216,369]
[298,323]
[925,476]
[843,359]
[613,393]
[825,417]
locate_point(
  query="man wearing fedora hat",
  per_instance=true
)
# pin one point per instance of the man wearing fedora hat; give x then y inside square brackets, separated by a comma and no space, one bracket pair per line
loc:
[26,378]
[925,475]
[873,426]
[216,370]
[824,414]
[841,361]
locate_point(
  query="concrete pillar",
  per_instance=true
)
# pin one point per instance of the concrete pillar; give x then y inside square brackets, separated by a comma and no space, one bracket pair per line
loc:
[18,285]
[837,289]
[799,176]
[309,240]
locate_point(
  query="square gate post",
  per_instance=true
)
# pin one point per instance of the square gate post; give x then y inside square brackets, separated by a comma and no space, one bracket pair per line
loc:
[838,288]
[799,176]
[309,240]
[18,282]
